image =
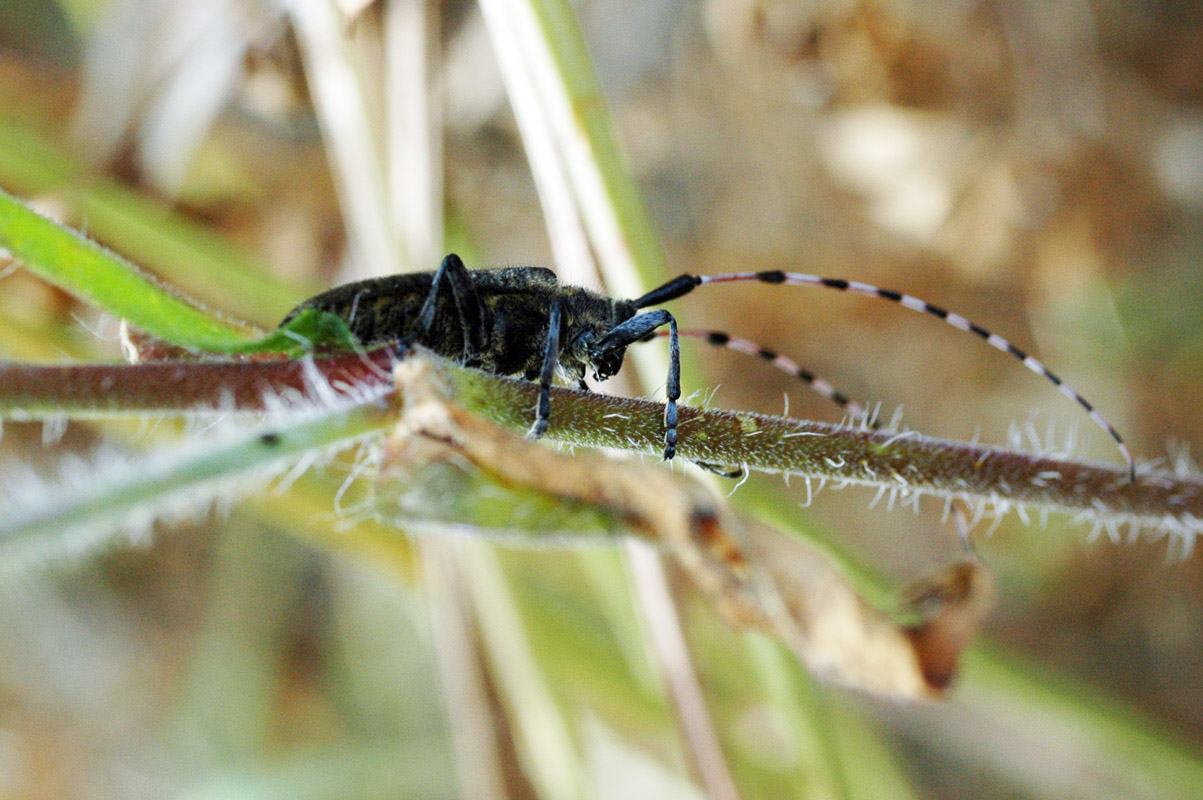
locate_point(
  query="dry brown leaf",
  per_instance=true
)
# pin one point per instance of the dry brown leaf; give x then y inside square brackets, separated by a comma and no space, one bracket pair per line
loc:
[756,576]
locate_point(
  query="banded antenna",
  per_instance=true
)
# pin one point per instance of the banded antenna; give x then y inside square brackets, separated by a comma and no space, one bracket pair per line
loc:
[685,284]
[784,363]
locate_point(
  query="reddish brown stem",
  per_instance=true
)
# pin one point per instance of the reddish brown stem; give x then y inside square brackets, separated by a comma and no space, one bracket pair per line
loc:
[908,463]
[184,386]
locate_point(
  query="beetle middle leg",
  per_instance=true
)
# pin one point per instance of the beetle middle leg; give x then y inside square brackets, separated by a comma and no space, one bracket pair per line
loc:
[551,354]
[472,314]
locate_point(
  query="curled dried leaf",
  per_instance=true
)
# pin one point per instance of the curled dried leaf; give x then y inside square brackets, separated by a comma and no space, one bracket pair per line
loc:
[445,464]
[951,604]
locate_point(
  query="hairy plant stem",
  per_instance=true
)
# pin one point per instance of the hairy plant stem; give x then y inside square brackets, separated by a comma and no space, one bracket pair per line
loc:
[905,462]
[34,391]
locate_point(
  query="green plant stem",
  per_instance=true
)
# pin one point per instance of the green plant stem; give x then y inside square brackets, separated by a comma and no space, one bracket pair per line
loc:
[909,464]
[612,204]
[153,481]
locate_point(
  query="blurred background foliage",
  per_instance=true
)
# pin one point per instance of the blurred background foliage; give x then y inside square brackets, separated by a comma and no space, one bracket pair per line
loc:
[1037,167]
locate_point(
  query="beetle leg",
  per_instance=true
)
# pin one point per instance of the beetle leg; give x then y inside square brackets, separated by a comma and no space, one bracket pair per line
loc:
[551,354]
[472,313]
[631,331]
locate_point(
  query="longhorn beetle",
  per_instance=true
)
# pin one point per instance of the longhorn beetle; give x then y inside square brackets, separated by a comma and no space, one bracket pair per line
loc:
[521,321]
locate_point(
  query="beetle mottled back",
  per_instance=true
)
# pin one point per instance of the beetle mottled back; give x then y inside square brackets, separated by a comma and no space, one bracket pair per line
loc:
[378,311]
[514,307]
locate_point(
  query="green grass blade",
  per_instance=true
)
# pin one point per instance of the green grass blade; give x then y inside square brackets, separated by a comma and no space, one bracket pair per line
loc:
[87,270]
[78,265]
[145,230]
[610,198]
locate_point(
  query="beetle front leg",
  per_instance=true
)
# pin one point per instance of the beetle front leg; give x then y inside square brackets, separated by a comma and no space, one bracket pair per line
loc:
[635,329]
